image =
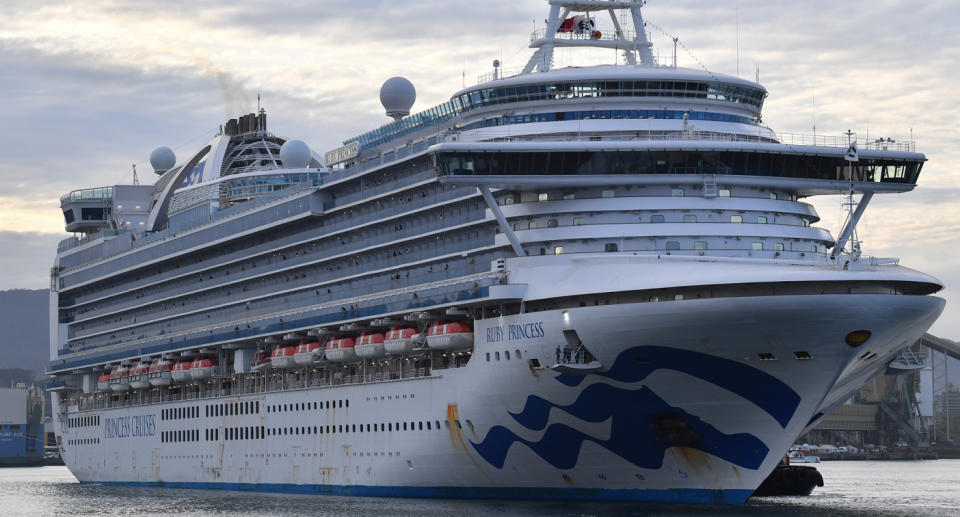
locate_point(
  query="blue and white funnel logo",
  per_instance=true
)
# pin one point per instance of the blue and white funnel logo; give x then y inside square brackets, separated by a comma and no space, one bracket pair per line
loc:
[643,425]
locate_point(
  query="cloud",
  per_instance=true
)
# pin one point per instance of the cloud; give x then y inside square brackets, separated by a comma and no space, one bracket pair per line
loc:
[27,259]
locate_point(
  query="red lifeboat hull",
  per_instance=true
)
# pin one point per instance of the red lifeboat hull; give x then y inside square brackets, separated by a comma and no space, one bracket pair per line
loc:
[370,346]
[181,371]
[401,341]
[450,336]
[282,356]
[341,350]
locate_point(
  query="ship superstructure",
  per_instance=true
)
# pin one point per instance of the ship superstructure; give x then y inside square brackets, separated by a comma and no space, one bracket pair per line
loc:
[590,282]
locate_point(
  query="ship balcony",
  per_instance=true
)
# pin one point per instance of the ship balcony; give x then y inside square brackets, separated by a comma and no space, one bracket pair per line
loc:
[87,210]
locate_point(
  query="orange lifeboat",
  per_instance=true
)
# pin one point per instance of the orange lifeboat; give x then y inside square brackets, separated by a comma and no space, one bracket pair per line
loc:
[341,350]
[282,356]
[450,336]
[160,373]
[140,376]
[308,353]
[103,382]
[261,361]
[370,345]
[181,371]
[203,368]
[120,378]
[401,341]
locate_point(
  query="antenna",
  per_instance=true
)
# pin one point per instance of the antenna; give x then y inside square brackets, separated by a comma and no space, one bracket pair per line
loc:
[136,181]
[675,39]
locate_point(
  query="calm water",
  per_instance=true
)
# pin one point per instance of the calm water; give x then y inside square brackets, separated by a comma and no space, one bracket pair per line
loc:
[855,488]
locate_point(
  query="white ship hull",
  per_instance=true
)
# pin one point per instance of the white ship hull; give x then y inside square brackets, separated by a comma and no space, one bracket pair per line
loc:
[683,410]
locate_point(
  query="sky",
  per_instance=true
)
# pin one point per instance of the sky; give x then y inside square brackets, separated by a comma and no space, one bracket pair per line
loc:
[90,88]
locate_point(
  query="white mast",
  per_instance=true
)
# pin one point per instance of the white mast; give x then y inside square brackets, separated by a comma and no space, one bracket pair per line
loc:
[636,48]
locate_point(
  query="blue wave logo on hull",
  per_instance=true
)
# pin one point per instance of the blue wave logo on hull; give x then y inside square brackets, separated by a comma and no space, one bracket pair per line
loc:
[643,426]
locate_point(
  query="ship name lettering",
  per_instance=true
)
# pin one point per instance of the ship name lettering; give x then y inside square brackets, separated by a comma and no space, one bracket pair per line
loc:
[129,426]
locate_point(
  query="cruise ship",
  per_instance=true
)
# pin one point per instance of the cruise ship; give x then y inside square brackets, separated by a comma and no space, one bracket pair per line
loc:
[598,282]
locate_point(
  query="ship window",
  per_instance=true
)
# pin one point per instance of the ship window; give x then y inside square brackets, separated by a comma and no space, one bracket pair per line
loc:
[517,352]
[610,247]
[656,218]
[497,355]
[578,221]
[673,245]
[778,246]
[551,223]
[532,225]
[677,297]
[389,426]
[438,424]
[558,250]
[428,425]
[773,195]
[689,218]
[566,196]
[507,355]
[543,196]
[736,218]
[676,192]
[516,226]
[761,219]
[724,192]
[699,245]
[757,246]
[488,357]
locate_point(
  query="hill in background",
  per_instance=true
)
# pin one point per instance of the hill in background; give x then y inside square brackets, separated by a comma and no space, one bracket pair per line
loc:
[26,334]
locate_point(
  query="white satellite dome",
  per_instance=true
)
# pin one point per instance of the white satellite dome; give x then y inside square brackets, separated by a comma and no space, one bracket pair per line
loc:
[397,96]
[162,159]
[295,154]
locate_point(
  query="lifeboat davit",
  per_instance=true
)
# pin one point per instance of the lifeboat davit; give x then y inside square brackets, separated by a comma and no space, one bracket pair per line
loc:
[120,379]
[401,341]
[139,377]
[282,356]
[261,361]
[341,350]
[203,368]
[450,336]
[103,382]
[181,371]
[308,353]
[160,373]
[370,345]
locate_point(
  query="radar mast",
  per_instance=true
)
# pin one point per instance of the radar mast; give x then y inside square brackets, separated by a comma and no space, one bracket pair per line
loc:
[571,24]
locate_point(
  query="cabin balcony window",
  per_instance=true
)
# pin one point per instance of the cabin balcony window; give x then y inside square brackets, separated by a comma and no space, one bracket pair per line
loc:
[736,218]
[689,218]
[724,192]
[673,245]
[676,192]
[657,218]
[610,247]
[578,221]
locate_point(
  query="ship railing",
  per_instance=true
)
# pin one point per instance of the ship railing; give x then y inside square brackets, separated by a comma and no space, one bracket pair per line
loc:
[356,300]
[504,134]
[162,235]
